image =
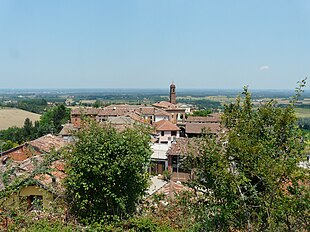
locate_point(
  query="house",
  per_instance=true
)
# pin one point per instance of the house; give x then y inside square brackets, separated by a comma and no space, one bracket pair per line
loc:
[104,113]
[44,144]
[176,114]
[179,149]
[37,189]
[67,132]
[151,114]
[77,115]
[196,126]
[120,123]
[166,131]
[159,159]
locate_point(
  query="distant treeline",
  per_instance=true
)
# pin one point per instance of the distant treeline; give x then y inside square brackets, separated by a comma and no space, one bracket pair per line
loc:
[203,103]
[32,105]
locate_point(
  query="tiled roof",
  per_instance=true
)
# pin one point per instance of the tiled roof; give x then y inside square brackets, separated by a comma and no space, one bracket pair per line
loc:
[172,188]
[210,118]
[198,128]
[182,146]
[50,180]
[113,112]
[159,112]
[120,120]
[20,152]
[164,104]
[43,144]
[147,110]
[165,125]
[136,117]
[68,129]
[48,142]
[123,106]
[53,179]
[85,111]
[28,165]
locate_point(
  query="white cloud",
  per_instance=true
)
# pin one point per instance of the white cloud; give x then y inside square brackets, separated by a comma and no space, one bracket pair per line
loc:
[264,67]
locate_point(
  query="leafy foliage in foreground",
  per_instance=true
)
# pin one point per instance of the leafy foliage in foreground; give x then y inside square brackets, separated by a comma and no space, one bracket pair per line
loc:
[249,177]
[107,172]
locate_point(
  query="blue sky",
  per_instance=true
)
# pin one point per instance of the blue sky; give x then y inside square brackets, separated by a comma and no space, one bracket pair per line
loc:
[147,44]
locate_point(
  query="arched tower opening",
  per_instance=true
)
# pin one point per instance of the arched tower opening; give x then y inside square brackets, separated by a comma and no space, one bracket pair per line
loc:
[173,94]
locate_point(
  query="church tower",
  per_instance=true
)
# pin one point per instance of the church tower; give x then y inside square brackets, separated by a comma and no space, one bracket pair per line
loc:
[172,94]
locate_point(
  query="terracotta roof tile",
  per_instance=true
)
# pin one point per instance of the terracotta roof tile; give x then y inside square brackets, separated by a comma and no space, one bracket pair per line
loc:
[159,112]
[113,112]
[147,110]
[123,106]
[198,128]
[182,146]
[164,104]
[50,180]
[48,142]
[172,188]
[85,111]
[210,118]
[68,129]
[165,125]
[136,117]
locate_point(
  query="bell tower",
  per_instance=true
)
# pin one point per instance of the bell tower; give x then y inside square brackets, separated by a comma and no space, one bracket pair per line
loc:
[172,94]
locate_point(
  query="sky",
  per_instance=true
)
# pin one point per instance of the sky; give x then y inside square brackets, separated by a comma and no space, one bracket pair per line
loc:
[150,43]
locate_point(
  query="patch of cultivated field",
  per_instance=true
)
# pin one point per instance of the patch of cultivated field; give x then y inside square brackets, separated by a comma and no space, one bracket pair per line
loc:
[302,112]
[15,117]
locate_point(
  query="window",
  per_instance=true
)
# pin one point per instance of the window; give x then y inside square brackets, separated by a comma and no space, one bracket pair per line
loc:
[162,133]
[173,133]
[35,202]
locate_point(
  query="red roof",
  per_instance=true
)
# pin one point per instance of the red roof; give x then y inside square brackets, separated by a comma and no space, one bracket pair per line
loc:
[85,111]
[159,112]
[136,117]
[198,128]
[210,118]
[113,112]
[172,188]
[48,142]
[147,110]
[164,104]
[43,144]
[164,125]
[183,146]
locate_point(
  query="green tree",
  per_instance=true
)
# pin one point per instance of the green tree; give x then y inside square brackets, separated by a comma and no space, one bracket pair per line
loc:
[250,175]
[28,129]
[52,120]
[15,134]
[7,144]
[97,104]
[203,113]
[107,172]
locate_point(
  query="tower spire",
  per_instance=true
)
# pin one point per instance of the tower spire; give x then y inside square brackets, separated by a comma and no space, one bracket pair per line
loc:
[172,93]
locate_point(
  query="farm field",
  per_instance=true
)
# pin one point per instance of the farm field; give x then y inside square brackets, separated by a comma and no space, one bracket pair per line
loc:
[302,112]
[15,117]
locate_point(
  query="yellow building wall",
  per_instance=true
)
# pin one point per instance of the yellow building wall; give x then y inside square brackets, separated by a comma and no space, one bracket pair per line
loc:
[36,190]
